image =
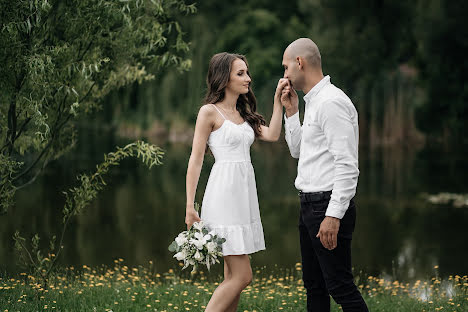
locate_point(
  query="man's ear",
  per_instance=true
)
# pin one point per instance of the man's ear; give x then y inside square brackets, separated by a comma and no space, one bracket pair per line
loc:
[300,62]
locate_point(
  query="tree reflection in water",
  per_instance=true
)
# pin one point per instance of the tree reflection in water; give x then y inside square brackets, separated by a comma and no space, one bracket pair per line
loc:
[398,233]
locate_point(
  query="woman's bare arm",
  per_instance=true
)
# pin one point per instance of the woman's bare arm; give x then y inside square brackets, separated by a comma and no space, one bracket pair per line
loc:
[203,127]
[273,131]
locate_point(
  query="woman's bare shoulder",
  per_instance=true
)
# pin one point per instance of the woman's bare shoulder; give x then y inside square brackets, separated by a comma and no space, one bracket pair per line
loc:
[207,108]
[207,113]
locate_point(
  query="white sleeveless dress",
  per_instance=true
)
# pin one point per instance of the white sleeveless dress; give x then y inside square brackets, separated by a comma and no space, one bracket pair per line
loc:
[230,203]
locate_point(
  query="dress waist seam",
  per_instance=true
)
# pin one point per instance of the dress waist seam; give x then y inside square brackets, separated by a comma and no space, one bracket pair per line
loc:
[218,225]
[232,161]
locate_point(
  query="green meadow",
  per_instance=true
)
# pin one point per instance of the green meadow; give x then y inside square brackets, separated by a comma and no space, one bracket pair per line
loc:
[139,289]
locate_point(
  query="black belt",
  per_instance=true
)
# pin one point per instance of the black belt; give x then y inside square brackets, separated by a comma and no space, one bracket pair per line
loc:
[314,196]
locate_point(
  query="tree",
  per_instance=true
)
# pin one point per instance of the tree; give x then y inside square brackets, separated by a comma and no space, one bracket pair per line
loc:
[443,69]
[60,59]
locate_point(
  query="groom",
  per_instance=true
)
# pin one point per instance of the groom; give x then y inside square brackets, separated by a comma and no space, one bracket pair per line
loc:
[327,148]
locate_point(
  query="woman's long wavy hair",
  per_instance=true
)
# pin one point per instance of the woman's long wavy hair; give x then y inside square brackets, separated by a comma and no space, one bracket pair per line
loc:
[217,79]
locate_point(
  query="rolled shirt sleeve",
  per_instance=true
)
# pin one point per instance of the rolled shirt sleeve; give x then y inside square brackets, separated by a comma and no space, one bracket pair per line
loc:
[338,120]
[293,133]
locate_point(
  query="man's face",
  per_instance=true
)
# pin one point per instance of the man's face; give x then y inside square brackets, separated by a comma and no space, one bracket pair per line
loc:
[292,71]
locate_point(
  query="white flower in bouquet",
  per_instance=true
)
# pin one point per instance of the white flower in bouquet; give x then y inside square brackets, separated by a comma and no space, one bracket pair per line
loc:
[180,255]
[199,225]
[200,239]
[181,239]
[211,246]
[197,246]
[198,256]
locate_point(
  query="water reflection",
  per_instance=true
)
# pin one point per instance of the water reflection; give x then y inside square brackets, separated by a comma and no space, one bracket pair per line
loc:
[398,234]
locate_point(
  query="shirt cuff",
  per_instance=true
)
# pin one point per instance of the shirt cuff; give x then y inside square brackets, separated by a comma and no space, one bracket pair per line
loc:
[292,121]
[336,210]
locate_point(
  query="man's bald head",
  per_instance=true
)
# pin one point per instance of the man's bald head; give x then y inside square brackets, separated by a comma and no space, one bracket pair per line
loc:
[307,49]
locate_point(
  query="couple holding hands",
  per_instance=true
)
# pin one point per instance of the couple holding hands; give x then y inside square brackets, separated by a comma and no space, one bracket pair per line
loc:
[327,148]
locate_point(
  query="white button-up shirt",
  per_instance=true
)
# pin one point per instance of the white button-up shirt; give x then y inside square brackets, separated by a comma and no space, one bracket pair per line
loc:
[326,145]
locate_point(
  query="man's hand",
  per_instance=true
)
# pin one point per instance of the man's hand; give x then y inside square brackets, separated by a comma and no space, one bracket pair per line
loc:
[328,232]
[289,100]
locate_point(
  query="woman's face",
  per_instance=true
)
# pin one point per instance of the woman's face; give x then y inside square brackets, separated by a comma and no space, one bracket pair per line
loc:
[239,79]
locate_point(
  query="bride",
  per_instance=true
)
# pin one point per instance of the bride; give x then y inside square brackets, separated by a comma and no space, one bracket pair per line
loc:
[228,123]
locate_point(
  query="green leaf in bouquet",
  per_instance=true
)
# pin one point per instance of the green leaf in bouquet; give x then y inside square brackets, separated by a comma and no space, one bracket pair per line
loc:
[173,246]
[223,240]
[204,231]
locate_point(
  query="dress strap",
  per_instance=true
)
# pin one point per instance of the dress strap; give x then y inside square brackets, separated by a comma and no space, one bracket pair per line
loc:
[218,111]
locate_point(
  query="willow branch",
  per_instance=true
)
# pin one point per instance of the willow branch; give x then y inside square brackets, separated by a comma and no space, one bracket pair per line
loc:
[87,93]
[41,154]
[62,235]
[28,253]
[44,164]
[22,127]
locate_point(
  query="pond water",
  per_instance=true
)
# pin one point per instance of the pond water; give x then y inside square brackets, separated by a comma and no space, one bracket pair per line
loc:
[398,234]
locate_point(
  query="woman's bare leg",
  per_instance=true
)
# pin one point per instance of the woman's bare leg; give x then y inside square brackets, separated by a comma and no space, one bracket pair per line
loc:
[235,303]
[240,277]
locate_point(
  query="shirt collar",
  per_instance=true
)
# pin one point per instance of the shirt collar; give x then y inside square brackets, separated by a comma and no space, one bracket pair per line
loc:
[316,89]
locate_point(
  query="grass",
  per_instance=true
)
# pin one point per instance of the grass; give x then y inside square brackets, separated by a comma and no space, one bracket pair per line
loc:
[139,289]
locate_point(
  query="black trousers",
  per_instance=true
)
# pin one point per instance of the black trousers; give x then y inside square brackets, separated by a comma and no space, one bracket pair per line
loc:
[327,272]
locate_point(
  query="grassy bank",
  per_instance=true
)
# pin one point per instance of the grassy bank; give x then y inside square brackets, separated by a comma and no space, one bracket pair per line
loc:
[139,289]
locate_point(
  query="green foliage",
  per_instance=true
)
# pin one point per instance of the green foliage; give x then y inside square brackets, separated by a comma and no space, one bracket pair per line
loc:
[421,41]
[242,34]
[259,29]
[394,59]
[60,59]
[7,191]
[441,54]
[79,197]
[76,199]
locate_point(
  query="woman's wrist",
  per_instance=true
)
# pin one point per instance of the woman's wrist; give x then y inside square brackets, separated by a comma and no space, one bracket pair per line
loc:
[277,98]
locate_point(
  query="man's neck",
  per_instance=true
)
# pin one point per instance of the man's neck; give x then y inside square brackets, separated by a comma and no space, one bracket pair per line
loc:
[312,80]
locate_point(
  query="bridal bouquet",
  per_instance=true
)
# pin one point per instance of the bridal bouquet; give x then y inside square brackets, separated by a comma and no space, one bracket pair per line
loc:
[197,246]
